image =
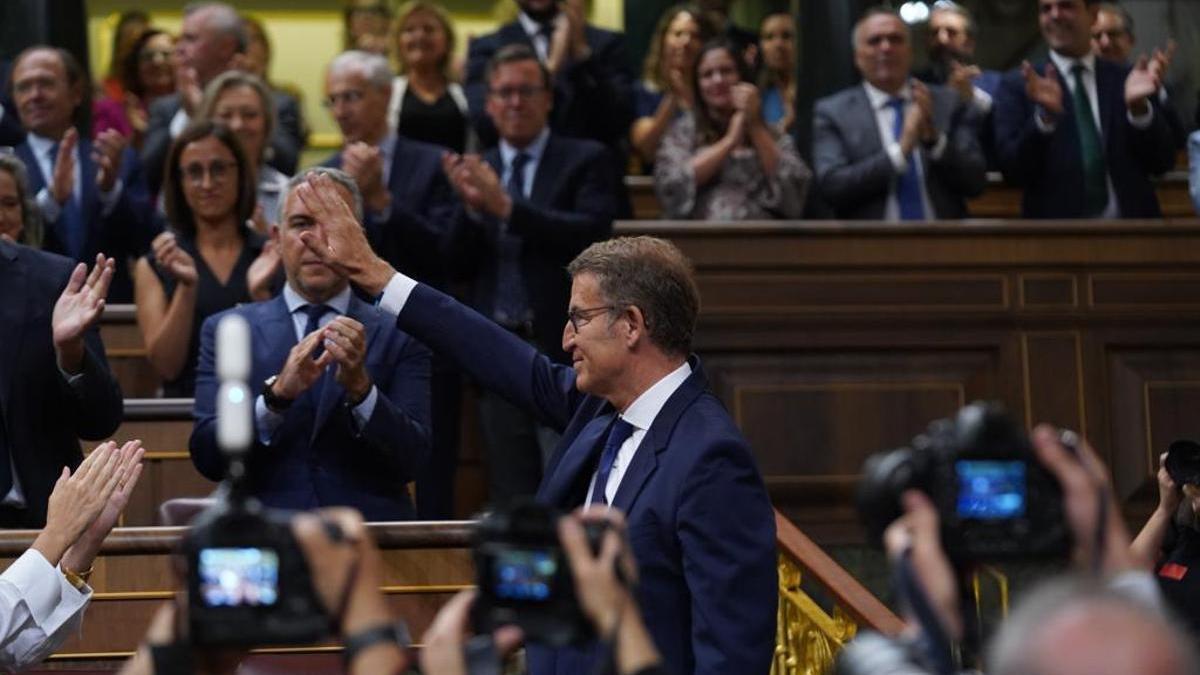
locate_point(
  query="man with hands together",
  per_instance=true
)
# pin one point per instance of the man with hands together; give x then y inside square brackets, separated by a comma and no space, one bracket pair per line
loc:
[343,414]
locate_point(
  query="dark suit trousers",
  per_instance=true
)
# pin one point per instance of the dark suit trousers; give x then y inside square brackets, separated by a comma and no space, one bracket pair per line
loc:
[435,483]
[516,448]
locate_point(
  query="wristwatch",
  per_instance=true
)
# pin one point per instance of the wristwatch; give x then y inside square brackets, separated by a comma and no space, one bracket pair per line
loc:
[389,632]
[275,403]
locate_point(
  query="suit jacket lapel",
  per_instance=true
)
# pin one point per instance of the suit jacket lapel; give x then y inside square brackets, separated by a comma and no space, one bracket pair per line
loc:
[36,180]
[556,489]
[860,115]
[546,174]
[514,32]
[1105,87]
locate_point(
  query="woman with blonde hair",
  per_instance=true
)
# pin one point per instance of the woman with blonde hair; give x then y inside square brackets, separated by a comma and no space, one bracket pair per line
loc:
[428,104]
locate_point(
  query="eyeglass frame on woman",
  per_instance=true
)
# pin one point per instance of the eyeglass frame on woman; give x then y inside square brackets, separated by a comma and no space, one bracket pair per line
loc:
[218,171]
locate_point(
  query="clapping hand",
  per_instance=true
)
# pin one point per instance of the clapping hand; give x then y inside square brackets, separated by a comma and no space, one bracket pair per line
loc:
[191,94]
[172,259]
[81,554]
[1043,90]
[301,370]
[1141,83]
[746,100]
[262,271]
[364,163]
[477,184]
[346,340]
[78,499]
[923,103]
[77,309]
[106,152]
[62,185]
[962,80]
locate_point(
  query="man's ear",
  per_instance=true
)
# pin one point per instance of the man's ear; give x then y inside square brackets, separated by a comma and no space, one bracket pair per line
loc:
[634,325]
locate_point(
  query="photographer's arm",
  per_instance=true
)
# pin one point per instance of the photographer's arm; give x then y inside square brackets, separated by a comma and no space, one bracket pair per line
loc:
[1148,543]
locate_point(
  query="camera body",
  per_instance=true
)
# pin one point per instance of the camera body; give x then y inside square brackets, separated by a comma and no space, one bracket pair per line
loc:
[994,499]
[524,576]
[248,581]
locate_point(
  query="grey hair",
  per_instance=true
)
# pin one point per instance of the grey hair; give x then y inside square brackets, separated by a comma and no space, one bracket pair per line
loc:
[1011,652]
[224,20]
[337,176]
[237,78]
[955,8]
[874,11]
[373,66]
[31,215]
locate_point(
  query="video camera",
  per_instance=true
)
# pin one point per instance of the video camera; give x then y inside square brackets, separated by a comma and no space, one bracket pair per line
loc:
[994,498]
[248,581]
[524,576]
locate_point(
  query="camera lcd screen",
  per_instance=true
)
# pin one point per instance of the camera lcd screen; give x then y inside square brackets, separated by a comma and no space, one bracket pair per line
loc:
[990,489]
[524,575]
[239,577]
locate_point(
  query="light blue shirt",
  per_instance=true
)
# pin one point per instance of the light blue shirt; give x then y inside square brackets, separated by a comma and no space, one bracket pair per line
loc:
[51,210]
[267,420]
[534,150]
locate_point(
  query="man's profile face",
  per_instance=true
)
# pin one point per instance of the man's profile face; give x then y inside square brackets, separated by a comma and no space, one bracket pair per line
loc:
[518,101]
[1110,37]
[949,36]
[312,278]
[596,350]
[45,100]
[882,52]
[1066,26]
[358,106]
[202,48]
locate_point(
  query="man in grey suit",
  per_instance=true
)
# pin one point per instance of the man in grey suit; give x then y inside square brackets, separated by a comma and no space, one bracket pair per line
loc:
[213,40]
[894,148]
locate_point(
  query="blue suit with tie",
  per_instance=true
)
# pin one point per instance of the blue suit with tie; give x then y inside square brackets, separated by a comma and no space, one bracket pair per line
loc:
[319,456]
[124,232]
[699,519]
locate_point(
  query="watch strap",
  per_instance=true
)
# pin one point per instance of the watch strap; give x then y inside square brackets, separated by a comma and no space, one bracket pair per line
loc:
[389,632]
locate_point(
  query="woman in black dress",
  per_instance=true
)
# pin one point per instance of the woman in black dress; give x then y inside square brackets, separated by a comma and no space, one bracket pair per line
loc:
[205,263]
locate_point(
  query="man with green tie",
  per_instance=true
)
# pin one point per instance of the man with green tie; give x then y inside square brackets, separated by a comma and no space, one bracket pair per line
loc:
[1082,135]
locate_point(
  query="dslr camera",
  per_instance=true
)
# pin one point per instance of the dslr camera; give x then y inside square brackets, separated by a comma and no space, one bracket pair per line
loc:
[524,576]
[994,499]
[248,581]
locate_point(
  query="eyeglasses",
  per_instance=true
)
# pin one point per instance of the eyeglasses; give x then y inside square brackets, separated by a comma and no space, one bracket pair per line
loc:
[524,92]
[350,97]
[152,55]
[217,171]
[582,317]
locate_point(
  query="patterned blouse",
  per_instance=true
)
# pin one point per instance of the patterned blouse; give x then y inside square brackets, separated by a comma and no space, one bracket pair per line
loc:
[740,191]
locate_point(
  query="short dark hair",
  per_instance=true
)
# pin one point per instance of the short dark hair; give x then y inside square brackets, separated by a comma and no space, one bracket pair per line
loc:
[878,10]
[179,212]
[1126,17]
[955,8]
[82,116]
[653,275]
[515,53]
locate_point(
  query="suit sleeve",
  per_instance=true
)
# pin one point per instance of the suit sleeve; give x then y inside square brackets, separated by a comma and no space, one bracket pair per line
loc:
[399,428]
[727,533]
[594,205]
[498,359]
[287,139]
[206,456]
[962,166]
[1020,147]
[1154,146]
[843,181]
[157,142]
[94,400]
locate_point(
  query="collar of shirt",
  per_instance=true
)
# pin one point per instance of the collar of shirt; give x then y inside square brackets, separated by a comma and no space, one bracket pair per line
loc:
[880,98]
[1064,64]
[41,146]
[645,408]
[340,302]
[534,149]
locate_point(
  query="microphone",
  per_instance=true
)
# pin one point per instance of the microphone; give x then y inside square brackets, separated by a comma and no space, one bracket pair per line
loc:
[235,415]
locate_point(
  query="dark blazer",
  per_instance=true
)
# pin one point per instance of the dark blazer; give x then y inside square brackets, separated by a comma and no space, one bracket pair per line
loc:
[287,139]
[855,173]
[572,203]
[11,131]
[318,456]
[415,235]
[44,415]
[699,519]
[126,232]
[592,99]
[1050,167]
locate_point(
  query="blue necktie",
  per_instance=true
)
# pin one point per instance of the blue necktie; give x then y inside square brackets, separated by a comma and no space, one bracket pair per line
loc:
[70,218]
[908,186]
[512,304]
[314,313]
[617,435]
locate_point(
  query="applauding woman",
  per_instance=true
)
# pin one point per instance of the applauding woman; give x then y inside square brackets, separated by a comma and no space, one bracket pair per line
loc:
[723,161]
[666,88]
[206,263]
[427,104]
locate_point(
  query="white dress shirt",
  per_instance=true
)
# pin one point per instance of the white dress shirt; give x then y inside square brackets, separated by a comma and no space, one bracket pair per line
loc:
[541,41]
[39,610]
[885,119]
[42,148]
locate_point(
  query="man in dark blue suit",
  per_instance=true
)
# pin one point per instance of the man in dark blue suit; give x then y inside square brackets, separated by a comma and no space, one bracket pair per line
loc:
[55,385]
[409,211]
[91,194]
[11,132]
[1082,135]
[533,203]
[593,81]
[343,418]
[640,432]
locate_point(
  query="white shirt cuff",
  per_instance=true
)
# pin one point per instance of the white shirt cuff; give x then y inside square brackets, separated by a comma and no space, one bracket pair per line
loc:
[363,411]
[30,574]
[899,163]
[1043,126]
[982,101]
[50,209]
[395,294]
[108,200]
[939,148]
[178,123]
[1142,121]
[266,421]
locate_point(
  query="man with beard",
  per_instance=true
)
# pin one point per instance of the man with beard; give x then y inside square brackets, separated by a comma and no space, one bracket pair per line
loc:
[951,50]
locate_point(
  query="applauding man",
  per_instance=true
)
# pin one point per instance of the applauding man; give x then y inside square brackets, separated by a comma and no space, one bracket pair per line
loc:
[55,386]
[1083,135]
[343,418]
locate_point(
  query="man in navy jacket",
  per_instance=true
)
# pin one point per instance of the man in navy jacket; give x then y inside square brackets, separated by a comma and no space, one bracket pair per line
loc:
[1081,134]
[343,418]
[640,432]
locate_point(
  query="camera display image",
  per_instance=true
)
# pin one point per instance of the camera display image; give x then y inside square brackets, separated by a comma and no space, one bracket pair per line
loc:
[990,489]
[239,577]
[524,574]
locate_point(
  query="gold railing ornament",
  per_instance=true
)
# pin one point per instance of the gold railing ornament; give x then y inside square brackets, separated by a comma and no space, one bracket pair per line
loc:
[807,637]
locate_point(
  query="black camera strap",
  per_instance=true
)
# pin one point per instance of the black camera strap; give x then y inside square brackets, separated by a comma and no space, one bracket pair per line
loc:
[934,643]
